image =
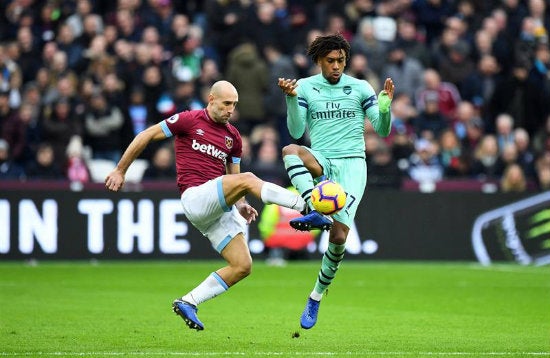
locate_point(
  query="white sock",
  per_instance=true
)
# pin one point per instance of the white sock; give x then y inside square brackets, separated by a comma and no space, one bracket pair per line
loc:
[316,295]
[274,194]
[211,287]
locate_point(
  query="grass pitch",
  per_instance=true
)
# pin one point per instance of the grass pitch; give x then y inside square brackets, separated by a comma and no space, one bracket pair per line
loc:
[374,309]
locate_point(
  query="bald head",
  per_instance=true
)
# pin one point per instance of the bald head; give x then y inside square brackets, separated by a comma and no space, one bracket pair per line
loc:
[222,101]
[221,88]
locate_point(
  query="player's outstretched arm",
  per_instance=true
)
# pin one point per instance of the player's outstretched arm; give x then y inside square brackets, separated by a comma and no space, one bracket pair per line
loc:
[115,180]
[295,114]
[288,86]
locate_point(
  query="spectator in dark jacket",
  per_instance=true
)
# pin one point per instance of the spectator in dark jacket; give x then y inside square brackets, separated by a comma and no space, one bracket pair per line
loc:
[44,165]
[103,124]
[8,169]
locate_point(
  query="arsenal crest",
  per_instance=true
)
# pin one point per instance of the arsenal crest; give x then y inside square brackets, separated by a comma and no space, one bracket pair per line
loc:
[228,142]
[347,89]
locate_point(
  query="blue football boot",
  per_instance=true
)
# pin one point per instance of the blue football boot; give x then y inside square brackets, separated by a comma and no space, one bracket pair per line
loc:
[312,220]
[309,316]
[188,312]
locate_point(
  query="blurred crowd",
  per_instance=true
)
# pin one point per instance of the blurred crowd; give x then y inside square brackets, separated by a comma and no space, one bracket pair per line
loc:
[80,78]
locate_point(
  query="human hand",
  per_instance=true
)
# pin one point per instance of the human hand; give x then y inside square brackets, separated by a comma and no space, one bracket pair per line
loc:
[115,180]
[386,95]
[248,212]
[288,86]
[389,87]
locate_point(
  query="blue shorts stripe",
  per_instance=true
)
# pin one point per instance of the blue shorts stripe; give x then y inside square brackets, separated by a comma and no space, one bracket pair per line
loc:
[221,197]
[223,243]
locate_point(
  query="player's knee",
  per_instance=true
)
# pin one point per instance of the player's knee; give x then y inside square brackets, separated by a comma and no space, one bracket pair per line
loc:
[290,149]
[243,268]
[248,178]
[337,237]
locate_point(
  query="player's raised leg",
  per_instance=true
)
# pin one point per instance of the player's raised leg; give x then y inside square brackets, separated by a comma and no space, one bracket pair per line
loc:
[235,186]
[300,164]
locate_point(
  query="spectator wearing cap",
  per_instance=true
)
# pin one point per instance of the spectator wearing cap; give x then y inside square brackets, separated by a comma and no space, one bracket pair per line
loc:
[425,166]
[430,122]
[8,169]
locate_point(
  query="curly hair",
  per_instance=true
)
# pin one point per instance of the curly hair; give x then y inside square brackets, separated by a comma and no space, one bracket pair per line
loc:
[322,45]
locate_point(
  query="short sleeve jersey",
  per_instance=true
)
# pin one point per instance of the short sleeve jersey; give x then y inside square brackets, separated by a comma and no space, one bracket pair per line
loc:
[336,114]
[202,146]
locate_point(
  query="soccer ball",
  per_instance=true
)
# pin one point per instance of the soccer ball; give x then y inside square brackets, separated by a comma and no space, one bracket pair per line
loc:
[328,197]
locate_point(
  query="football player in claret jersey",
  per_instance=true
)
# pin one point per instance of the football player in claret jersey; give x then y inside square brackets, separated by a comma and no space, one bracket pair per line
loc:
[207,151]
[334,107]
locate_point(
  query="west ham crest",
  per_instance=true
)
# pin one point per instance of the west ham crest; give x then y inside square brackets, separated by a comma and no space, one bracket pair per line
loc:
[228,142]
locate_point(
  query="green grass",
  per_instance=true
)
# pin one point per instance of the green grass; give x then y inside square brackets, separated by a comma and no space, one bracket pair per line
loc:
[372,310]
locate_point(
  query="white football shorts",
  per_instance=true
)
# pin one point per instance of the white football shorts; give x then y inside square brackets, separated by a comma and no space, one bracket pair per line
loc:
[205,207]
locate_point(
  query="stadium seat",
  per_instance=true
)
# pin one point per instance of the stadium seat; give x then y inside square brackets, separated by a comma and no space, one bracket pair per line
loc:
[136,170]
[99,168]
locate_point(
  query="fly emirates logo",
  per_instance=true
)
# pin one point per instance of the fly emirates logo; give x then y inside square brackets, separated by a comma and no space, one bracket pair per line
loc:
[209,149]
